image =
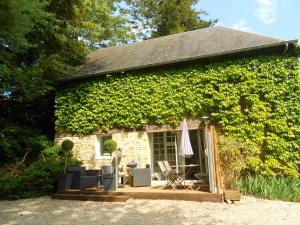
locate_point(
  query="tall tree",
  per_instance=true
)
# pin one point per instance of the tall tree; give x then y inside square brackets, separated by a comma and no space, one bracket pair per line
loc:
[164,17]
[20,78]
[109,25]
[41,40]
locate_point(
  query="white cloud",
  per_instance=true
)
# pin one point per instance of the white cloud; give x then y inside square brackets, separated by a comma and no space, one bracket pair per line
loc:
[266,11]
[241,25]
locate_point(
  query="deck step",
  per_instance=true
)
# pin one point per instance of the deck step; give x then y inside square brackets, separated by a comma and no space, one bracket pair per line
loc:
[104,193]
[137,193]
[192,196]
[91,192]
[90,197]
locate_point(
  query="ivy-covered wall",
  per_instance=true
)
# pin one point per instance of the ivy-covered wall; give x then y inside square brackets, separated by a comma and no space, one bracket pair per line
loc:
[254,99]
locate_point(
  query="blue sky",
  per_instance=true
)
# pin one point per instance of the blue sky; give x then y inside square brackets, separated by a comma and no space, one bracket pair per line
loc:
[276,18]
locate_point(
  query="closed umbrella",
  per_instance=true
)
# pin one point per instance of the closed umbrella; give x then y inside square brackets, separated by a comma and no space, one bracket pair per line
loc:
[185,145]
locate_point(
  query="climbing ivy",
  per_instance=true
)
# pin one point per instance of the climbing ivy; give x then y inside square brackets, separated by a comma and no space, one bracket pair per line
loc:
[253,99]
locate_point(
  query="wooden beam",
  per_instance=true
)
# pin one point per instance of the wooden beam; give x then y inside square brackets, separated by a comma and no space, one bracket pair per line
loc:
[232,195]
[210,160]
[217,160]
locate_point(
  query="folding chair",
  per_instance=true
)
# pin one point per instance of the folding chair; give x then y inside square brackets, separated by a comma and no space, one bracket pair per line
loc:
[201,180]
[163,171]
[180,182]
[171,179]
[175,179]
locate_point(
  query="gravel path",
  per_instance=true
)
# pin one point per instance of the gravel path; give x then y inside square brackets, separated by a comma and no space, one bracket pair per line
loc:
[143,212]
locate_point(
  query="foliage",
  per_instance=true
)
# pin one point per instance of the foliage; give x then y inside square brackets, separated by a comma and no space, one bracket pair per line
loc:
[15,141]
[22,15]
[282,188]
[168,16]
[66,147]
[36,180]
[41,40]
[35,47]
[110,146]
[51,152]
[231,159]
[109,27]
[256,100]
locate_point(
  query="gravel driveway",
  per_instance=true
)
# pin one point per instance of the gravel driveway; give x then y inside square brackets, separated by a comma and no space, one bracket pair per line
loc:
[143,212]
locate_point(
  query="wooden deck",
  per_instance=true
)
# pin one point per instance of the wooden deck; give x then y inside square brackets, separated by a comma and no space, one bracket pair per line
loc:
[123,194]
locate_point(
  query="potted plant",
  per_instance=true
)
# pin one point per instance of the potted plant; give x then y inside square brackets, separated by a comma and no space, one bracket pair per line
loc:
[109,182]
[131,165]
[110,146]
[64,180]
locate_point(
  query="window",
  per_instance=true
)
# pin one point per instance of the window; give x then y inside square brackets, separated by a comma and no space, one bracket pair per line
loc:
[163,145]
[100,154]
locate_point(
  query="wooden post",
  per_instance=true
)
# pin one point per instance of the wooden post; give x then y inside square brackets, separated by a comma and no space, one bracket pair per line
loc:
[116,172]
[211,161]
[217,160]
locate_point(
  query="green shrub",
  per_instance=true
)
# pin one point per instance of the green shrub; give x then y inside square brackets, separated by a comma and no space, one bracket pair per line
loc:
[281,188]
[67,145]
[36,180]
[232,161]
[53,152]
[110,146]
[9,187]
[39,177]
[16,141]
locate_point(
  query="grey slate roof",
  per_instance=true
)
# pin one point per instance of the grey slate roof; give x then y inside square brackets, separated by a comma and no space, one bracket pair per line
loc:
[165,50]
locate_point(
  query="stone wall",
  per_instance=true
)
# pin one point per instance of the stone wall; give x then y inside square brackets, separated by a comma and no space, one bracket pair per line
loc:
[134,145]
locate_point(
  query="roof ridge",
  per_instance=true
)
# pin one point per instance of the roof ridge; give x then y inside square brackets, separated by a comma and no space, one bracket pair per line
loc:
[156,38]
[184,33]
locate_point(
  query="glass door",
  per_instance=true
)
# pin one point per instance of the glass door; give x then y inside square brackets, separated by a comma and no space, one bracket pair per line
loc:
[198,158]
[163,149]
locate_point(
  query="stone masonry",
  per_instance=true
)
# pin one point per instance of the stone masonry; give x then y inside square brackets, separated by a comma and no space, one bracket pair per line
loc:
[134,146]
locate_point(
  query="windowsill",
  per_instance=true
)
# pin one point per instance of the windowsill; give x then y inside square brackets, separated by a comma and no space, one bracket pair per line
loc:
[104,157]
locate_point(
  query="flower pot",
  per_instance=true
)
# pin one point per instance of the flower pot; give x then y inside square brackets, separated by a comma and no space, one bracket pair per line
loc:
[129,169]
[64,181]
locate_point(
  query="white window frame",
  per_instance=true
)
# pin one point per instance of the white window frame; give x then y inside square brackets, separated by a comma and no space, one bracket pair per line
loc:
[98,153]
[166,144]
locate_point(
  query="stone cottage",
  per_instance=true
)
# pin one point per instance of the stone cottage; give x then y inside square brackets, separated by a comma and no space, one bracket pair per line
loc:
[137,94]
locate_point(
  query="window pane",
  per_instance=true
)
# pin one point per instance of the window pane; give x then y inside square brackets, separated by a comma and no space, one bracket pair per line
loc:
[103,139]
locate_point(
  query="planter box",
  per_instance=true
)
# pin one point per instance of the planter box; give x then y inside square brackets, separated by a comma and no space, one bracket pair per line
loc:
[64,181]
[109,182]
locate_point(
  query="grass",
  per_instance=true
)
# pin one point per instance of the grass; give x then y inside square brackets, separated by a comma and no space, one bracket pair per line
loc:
[280,188]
